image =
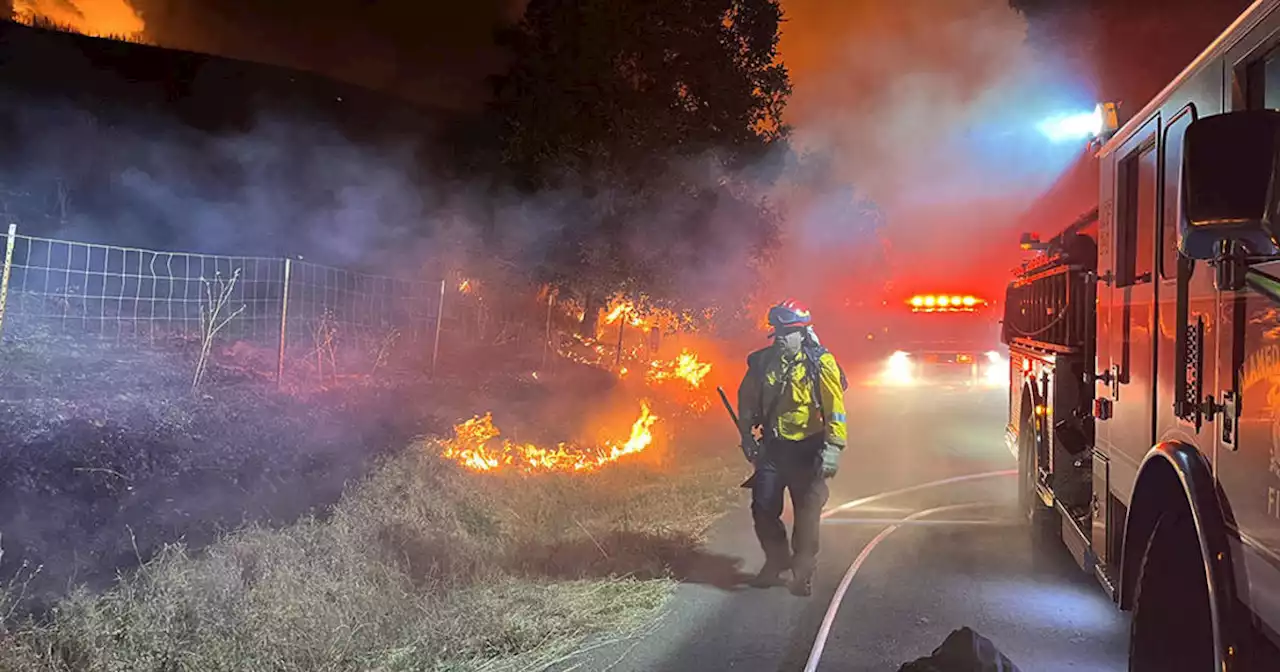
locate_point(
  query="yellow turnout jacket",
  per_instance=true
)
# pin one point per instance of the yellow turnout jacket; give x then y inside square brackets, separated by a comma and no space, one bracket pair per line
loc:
[779,387]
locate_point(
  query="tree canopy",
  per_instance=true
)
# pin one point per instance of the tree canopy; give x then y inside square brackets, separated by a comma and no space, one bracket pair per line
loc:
[654,115]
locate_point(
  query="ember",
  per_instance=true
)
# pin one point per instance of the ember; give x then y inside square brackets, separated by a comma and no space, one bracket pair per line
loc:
[476,446]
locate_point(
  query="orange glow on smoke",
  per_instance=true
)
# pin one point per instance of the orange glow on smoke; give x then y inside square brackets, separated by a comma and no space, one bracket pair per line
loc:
[686,367]
[476,446]
[100,18]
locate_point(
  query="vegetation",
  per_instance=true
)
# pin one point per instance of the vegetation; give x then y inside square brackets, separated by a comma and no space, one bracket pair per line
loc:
[213,318]
[655,119]
[418,567]
[646,145]
[43,22]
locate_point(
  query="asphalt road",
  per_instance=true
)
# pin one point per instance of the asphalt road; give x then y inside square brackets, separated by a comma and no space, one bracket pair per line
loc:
[969,566]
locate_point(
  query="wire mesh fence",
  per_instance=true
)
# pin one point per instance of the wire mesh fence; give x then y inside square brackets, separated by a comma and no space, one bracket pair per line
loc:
[134,296]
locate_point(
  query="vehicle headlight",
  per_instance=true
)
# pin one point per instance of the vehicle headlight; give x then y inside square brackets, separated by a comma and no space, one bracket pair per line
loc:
[997,370]
[898,370]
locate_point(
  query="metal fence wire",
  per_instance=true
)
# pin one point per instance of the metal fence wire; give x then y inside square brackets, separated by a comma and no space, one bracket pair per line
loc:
[138,296]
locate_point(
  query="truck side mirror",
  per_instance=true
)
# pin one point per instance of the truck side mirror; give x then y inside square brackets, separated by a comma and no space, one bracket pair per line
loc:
[1229,185]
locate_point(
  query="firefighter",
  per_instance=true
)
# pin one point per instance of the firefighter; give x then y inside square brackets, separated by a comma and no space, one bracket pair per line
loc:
[793,397]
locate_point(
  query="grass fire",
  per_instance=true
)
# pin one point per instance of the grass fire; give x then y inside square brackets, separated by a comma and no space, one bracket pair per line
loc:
[476,445]
[429,420]
[687,367]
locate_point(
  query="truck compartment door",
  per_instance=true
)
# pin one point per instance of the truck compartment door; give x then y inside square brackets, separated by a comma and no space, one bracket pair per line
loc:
[1132,305]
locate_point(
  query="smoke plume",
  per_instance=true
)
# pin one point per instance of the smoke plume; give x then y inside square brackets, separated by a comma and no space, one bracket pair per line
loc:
[927,110]
[1124,51]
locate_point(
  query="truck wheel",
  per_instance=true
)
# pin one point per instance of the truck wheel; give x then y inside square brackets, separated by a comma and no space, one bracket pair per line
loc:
[1043,519]
[1171,628]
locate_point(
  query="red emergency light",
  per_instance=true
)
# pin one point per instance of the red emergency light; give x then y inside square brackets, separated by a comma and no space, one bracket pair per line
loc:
[930,303]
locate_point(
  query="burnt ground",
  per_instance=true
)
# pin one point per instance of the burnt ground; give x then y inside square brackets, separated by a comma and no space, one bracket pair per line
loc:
[106,454]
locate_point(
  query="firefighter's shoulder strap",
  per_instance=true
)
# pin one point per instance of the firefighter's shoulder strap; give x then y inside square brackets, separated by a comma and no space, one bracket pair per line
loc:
[756,363]
[813,353]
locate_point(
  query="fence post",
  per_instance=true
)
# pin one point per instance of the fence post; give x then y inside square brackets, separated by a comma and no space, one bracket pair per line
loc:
[622,322]
[284,321]
[4,274]
[435,348]
[546,341]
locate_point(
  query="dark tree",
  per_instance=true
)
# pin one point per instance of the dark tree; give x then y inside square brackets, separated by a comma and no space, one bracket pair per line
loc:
[651,113]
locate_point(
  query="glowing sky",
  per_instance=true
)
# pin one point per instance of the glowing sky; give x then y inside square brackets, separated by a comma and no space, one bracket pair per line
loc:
[91,17]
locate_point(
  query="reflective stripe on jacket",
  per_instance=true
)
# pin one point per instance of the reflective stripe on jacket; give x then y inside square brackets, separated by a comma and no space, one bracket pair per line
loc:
[798,413]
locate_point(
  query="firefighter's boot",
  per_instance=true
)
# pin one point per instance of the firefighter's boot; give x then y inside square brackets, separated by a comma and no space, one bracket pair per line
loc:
[802,586]
[802,579]
[770,575]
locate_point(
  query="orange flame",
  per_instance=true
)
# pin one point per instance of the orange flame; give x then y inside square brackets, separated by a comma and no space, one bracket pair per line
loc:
[475,447]
[618,310]
[621,308]
[100,18]
[686,367]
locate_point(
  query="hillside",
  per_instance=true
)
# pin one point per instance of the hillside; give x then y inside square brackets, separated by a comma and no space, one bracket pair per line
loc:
[136,145]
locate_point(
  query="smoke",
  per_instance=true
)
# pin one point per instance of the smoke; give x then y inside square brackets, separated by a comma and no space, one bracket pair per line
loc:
[287,186]
[926,110]
[1126,51]
[915,123]
[90,17]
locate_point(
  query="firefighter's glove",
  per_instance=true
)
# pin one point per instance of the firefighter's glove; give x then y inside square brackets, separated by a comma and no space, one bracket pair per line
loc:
[750,447]
[831,459]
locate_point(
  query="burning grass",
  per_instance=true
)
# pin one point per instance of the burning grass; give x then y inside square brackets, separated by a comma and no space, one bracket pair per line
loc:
[473,446]
[108,455]
[423,565]
[687,367]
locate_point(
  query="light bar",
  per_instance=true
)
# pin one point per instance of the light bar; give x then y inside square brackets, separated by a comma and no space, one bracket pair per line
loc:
[949,303]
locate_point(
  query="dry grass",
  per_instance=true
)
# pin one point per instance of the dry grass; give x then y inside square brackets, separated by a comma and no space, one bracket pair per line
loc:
[420,567]
[43,22]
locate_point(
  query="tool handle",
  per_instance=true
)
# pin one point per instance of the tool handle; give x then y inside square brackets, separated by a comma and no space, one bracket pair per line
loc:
[751,451]
[727,406]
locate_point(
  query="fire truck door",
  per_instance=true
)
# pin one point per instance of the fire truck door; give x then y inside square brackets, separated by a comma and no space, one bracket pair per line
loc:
[1132,354]
[1245,420]
[1246,423]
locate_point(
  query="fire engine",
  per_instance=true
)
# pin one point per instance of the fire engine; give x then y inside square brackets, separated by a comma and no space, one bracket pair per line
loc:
[944,339]
[1144,339]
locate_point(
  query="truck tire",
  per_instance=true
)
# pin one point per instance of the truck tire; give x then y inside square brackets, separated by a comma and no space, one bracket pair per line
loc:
[1045,526]
[1171,628]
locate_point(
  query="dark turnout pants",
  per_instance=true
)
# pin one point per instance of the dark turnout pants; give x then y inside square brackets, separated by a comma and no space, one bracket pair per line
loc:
[795,466]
